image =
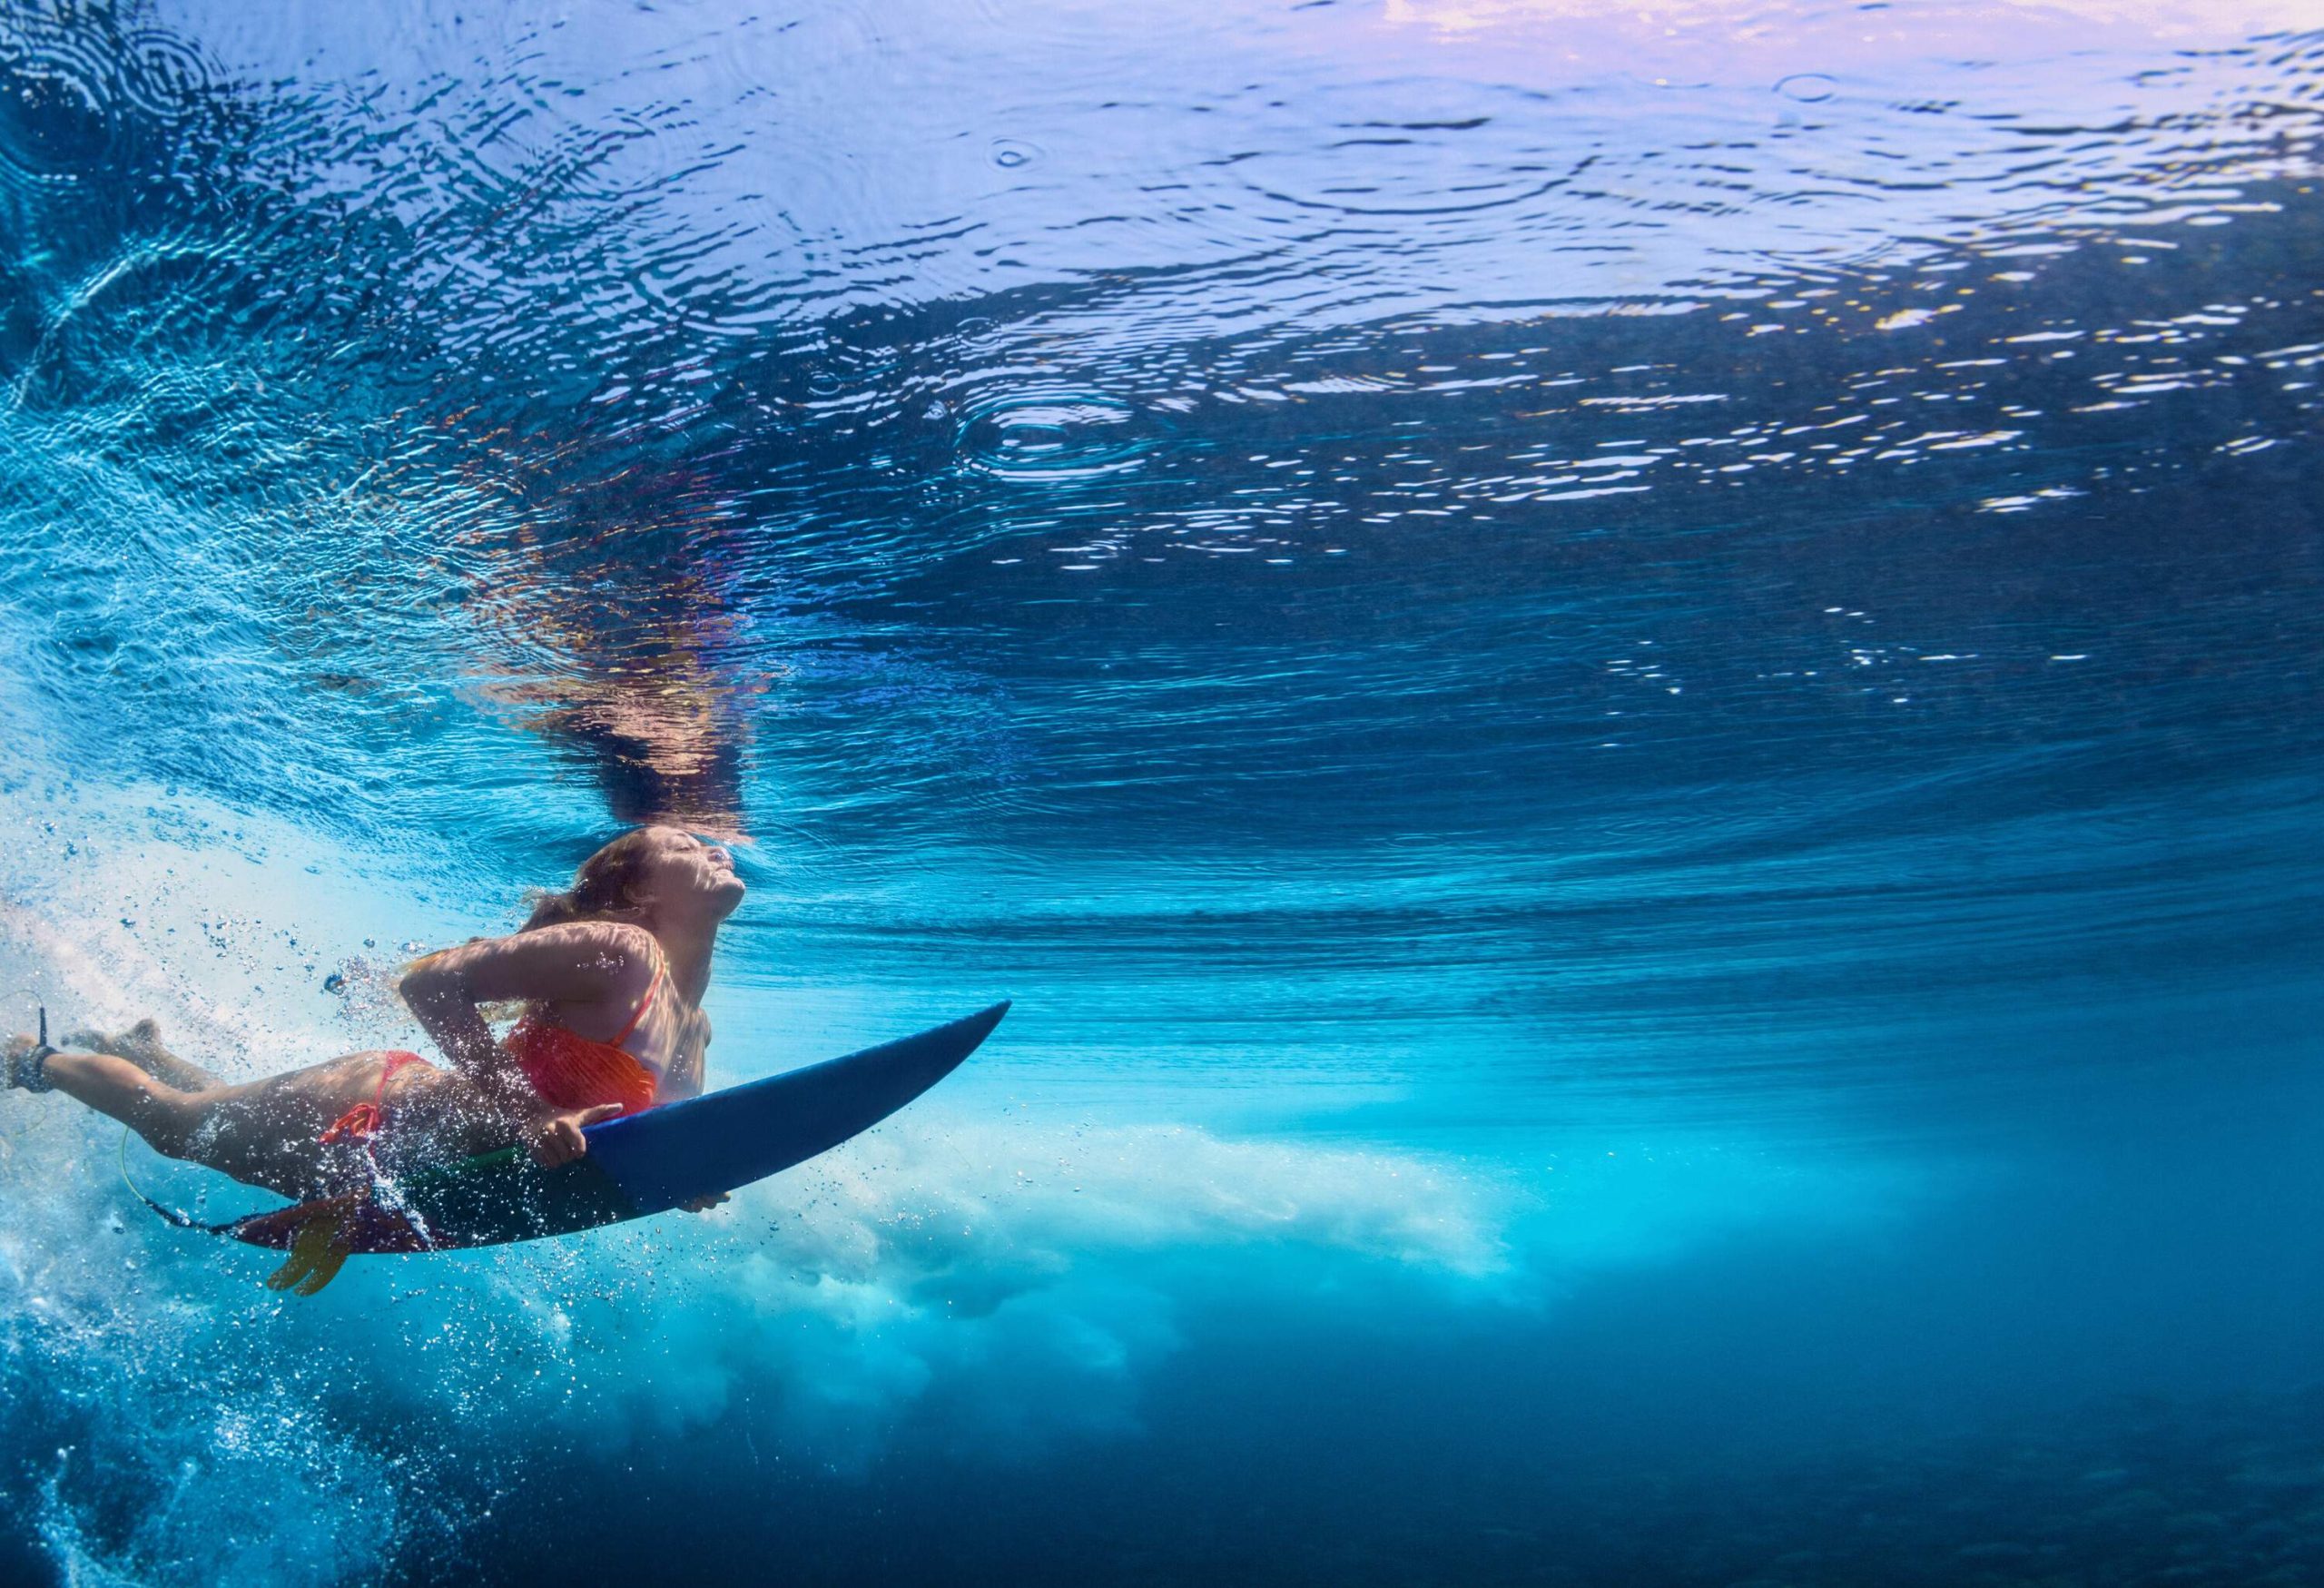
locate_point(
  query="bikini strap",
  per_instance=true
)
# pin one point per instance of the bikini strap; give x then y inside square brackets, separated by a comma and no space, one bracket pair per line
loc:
[646,1002]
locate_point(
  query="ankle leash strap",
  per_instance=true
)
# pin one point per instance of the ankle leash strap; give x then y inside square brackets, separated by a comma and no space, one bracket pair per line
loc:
[32,1070]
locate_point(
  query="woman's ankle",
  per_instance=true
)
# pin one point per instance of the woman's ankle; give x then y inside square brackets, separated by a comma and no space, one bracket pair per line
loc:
[25,1065]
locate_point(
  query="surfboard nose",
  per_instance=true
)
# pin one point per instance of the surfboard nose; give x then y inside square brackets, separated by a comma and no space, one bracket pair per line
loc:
[982,1022]
[724,1139]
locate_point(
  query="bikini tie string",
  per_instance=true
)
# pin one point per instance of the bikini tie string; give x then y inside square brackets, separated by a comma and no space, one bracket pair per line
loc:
[362,1121]
[359,1124]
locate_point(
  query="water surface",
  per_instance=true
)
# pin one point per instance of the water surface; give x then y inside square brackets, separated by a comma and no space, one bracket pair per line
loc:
[1630,699]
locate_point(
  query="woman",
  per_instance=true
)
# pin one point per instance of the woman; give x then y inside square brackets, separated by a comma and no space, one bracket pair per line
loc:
[612,974]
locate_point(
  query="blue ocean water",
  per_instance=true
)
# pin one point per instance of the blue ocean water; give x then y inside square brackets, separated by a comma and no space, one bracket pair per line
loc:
[1630,693]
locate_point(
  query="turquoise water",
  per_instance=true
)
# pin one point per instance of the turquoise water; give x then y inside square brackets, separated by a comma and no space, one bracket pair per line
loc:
[1629,696]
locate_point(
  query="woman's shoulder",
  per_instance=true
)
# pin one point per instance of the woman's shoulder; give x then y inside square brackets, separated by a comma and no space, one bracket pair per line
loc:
[574,962]
[616,944]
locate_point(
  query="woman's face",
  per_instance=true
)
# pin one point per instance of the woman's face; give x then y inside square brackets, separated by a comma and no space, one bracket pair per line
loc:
[684,875]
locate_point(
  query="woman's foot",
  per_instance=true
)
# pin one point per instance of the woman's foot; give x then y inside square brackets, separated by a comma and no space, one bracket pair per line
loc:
[141,1044]
[137,1044]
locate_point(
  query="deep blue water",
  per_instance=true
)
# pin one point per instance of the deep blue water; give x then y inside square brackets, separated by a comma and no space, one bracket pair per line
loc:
[1631,695]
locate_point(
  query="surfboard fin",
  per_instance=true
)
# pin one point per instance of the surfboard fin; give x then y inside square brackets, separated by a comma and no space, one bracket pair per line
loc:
[317,1254]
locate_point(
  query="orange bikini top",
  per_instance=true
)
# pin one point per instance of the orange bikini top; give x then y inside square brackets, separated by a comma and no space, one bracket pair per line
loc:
[571,1071]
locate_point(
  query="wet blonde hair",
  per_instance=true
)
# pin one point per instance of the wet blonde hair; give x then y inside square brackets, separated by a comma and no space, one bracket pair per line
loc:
[604,888]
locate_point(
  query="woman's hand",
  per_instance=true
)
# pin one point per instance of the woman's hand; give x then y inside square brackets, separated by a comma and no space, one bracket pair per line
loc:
[556,1139]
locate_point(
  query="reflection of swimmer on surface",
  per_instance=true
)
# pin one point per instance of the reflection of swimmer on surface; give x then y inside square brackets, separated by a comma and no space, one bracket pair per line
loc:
[612,973]
[662,746]
[610,621]
[638,628]
[660,729]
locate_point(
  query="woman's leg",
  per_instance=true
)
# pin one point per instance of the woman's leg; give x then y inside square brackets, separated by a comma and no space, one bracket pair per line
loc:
[114,1086]
[268,1133]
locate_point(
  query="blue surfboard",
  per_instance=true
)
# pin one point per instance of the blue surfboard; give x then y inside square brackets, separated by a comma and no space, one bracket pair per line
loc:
[641,1164]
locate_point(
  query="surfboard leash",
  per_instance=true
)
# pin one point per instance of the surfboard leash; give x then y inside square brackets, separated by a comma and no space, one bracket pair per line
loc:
[172,1214]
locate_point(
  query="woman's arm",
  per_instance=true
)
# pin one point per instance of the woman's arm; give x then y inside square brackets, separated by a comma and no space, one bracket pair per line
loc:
[582,962]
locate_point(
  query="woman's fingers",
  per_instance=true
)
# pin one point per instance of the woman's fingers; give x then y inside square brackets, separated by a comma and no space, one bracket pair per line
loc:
[559,1141]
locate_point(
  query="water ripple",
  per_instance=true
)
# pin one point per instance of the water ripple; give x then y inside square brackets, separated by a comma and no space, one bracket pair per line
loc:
[1052,437]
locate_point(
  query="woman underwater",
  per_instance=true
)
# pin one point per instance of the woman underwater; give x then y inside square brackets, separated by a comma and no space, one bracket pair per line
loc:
[611,972]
